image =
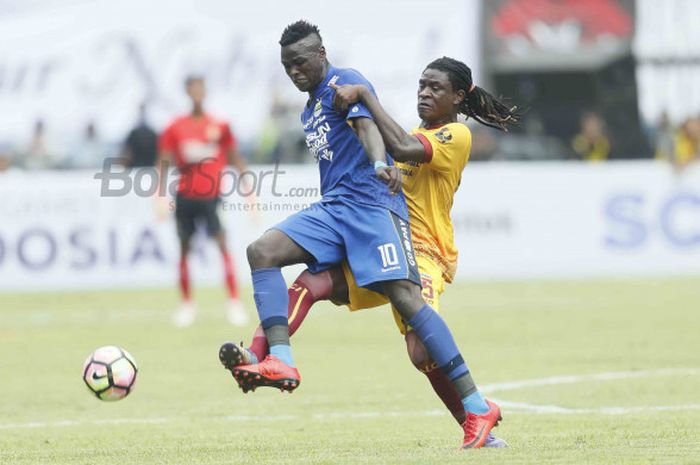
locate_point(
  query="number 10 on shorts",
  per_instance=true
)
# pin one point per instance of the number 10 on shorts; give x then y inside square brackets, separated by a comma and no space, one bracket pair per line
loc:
[389,255]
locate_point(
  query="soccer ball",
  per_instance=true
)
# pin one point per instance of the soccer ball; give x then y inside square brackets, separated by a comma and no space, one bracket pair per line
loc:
[110,373]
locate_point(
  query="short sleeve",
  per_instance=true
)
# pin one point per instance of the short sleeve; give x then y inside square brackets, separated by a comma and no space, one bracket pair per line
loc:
[356,110]
[228,140]
[167,141]
[446,147]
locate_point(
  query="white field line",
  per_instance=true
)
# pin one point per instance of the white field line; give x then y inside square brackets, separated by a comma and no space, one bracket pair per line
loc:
[510,407]
[608,376]
[66,423]
[521,407]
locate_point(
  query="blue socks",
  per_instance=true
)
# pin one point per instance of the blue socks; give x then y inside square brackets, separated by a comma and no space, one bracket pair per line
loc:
[475,403]
[437,338]
[284,353]
[270,293]
[271,299]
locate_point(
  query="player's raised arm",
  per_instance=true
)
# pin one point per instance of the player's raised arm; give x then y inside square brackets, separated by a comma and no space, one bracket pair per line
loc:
[371,140]
[401,145]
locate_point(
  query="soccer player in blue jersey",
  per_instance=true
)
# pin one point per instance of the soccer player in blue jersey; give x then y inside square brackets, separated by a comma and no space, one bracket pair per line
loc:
[362,218]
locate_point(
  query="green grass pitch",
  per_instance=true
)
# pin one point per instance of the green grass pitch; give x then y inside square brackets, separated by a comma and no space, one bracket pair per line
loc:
[360,400]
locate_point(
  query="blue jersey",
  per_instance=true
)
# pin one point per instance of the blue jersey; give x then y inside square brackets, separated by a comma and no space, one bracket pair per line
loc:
[346,172]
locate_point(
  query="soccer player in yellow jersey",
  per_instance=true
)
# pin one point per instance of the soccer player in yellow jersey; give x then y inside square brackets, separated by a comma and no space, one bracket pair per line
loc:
[431,159]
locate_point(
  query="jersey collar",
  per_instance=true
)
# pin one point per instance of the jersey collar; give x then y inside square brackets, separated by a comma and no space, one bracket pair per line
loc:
[329,75]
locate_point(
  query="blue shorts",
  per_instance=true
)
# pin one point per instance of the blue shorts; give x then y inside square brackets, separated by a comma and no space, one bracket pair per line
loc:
[375,242]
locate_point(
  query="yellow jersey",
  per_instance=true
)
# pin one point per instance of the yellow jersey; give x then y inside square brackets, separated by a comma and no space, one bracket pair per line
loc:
[597,150]
[429,188]
[685,148]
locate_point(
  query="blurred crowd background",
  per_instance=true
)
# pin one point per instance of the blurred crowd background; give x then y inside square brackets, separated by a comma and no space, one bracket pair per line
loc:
[600,80]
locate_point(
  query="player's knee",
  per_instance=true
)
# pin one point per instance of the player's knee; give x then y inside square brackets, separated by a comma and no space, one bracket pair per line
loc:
[252,253]
[418,353]
[405,296]
[261,255]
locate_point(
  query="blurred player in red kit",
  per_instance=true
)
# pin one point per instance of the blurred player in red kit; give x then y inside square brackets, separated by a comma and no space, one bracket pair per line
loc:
[201,146]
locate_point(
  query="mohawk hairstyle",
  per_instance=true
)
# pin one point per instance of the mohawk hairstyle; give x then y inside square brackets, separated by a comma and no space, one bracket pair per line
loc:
[478,104]
[297,31]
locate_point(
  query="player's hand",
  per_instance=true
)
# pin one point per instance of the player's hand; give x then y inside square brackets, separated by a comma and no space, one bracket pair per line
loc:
[391,175]
[345,95]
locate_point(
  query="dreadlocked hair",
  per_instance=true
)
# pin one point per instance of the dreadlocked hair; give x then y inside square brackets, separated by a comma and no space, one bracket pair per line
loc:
[477,103]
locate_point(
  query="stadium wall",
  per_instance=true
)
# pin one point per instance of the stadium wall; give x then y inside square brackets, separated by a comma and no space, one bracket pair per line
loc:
[68,230]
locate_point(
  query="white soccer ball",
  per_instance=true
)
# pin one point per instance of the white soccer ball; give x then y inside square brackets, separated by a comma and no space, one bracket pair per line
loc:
[110,373]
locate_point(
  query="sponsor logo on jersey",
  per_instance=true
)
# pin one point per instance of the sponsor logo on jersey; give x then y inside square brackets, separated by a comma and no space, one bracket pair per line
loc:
[318,108]
[196,151]
[443,135]
[317,142]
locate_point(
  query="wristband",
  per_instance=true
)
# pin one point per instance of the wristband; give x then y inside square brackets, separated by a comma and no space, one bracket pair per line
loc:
[379,164]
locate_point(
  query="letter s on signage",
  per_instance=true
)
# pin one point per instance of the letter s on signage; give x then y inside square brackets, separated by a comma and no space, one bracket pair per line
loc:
[626,228]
